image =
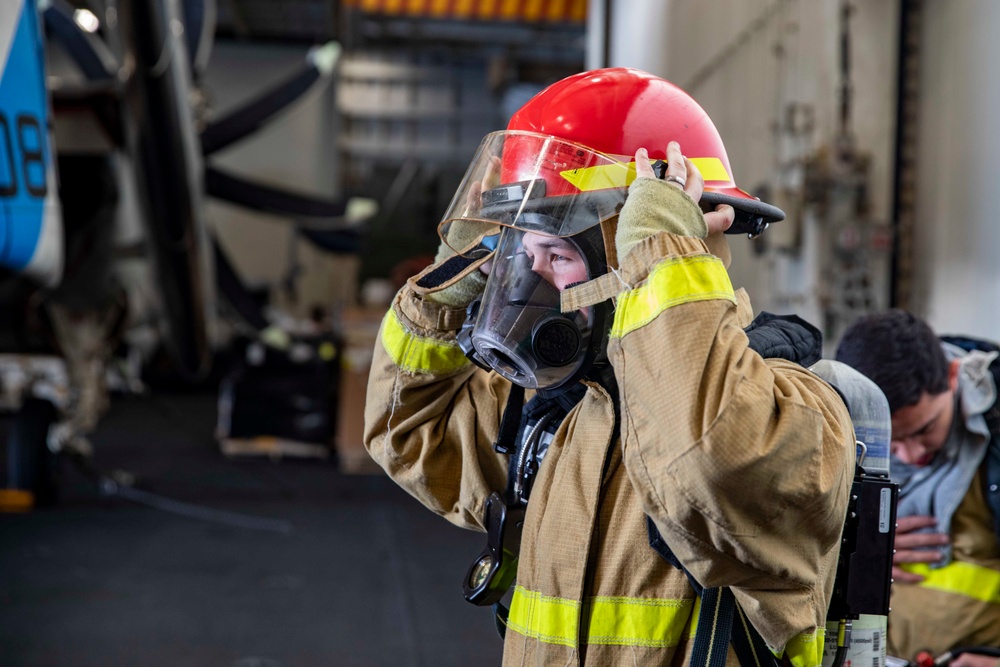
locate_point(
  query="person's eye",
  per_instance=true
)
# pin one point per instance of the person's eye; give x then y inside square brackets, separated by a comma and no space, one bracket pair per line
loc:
[927,428]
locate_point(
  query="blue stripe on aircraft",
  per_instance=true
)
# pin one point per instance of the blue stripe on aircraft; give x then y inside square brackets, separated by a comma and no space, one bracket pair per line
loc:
[24,149]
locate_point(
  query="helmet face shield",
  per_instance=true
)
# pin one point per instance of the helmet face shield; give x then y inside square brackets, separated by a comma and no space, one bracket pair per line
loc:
[533,182]
[519,330]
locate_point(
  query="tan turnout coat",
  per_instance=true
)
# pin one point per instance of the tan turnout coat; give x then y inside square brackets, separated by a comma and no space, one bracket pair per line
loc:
[744,464]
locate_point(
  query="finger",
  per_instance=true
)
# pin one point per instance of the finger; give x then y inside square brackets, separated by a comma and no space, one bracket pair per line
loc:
[491,178]
[901,576]
[914,522]
[914,540]
[922,556]
[472,200]
[643,167]
[695,184]
[720,219]
[676,167]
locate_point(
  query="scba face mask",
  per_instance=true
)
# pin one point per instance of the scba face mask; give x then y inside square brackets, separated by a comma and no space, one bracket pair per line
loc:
[539,205]
[518,328]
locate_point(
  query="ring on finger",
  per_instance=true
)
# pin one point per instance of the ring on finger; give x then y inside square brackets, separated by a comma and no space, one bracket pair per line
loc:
[670,178]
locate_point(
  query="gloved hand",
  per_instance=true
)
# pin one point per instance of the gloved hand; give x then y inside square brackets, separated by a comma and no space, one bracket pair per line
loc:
[668,205]
[466,289]
[459,236]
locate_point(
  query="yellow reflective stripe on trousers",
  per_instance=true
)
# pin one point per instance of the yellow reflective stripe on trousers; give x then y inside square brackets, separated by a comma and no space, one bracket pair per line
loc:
[973,581]
[672,282]
[419,354]
[616,621]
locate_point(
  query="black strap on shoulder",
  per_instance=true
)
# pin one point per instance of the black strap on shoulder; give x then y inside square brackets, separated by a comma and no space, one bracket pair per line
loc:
[660,546]
[715,626]
[720,622]
[747,642]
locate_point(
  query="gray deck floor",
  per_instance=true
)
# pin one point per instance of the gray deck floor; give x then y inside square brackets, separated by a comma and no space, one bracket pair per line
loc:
[365,576]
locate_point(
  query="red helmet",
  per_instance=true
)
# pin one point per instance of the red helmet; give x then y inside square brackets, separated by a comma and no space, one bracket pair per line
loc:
[617,111]
[562,169]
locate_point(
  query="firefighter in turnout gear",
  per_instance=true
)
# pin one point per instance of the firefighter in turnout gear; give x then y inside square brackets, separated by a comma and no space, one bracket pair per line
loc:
[943,393]
[583,265]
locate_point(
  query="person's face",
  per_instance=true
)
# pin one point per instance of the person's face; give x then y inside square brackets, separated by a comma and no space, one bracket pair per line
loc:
[556,260]
[919,431]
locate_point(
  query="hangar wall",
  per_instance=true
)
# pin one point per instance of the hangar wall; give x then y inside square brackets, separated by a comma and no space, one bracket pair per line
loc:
[771,75]
[957,245]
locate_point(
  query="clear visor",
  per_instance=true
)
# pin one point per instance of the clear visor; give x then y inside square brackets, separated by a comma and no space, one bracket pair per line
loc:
[520,331]
[536,183]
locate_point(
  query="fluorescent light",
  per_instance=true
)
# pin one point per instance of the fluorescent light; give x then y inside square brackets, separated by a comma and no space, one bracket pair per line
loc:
[86,20]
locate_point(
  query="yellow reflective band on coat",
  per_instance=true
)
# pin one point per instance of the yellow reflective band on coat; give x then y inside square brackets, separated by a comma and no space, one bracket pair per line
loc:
[419,354]
[621,174]
[692,627]
[671,283]
[612,621]
[806,649]
[973,581]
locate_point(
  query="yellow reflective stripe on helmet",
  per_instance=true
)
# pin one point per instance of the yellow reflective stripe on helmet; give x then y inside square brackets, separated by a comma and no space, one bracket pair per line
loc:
[973,581]
[621,174]
[806,649]
[612,621]
[711,169]
[419,354]
[672,282]
[601,177]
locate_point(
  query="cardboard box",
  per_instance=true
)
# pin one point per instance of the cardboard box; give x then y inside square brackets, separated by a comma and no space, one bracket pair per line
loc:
[359,334]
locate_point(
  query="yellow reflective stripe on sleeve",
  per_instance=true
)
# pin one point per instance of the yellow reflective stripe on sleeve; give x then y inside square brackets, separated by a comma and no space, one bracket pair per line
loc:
[614,621]
[806,649]
[419,354]
[973,581]
[671,283]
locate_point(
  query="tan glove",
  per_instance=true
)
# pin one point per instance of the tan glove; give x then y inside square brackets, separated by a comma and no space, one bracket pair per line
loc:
[464,290]
[461,235]
[655,206]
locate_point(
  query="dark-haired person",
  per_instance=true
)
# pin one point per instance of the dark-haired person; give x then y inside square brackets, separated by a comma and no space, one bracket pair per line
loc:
[946,458]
